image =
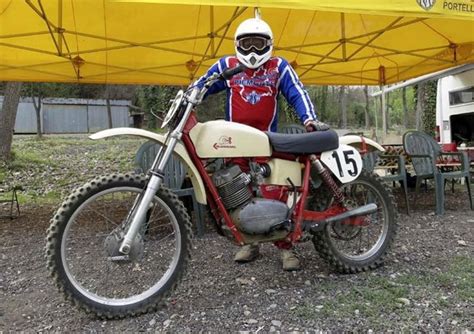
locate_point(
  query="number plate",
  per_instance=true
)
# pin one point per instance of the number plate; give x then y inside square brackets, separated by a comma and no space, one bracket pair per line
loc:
[345,163]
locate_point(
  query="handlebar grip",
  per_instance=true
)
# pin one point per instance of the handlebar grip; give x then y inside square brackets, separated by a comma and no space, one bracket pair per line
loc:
[230,72]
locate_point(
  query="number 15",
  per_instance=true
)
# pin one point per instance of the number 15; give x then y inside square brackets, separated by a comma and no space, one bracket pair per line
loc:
[348,161]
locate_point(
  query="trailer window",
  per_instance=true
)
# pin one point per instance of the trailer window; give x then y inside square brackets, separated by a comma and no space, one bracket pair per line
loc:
[461,96]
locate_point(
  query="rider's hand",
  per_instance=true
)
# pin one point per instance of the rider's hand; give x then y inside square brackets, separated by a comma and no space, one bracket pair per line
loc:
[315,125]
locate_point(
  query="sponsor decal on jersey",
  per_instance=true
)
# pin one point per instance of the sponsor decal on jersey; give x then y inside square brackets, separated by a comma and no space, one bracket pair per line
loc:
[261,83]
[253,97]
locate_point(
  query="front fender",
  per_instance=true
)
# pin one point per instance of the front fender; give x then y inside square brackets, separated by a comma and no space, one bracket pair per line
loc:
[357,141]
[179,150]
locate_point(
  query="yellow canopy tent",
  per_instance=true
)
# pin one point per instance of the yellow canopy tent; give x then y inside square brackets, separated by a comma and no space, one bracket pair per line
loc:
[172,42]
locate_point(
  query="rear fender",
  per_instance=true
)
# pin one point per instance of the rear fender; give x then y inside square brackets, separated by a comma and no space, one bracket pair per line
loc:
[359,142]
[179,151]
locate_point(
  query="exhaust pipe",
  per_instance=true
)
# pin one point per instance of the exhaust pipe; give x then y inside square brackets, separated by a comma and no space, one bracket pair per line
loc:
[360,211]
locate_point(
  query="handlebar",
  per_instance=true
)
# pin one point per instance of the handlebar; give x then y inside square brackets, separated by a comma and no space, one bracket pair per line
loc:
[230,72]
[225,75]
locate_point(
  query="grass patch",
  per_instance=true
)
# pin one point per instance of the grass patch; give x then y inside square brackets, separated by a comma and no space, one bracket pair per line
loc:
[24,159]
[459,278]
[50,168]
[370,299]
[374,298]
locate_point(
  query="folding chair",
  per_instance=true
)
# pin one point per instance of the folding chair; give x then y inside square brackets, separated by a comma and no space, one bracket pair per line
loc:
[175,174]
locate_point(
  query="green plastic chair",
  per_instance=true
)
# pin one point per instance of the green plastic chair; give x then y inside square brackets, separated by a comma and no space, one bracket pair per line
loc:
[398,174]
[175,174]
[370,161]
[425,152]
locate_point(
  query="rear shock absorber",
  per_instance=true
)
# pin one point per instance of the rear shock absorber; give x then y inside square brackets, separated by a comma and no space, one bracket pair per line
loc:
[326,177]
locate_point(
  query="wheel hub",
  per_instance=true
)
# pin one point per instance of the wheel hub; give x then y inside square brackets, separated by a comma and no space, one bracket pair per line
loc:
[112,245]
[350,228]
[345,231]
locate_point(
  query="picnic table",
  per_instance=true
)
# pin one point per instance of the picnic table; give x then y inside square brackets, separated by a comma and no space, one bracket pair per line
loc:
[446,165]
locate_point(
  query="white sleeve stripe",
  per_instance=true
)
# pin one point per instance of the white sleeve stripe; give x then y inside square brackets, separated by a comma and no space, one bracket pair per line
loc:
[275,109]
[281,76]
[298,87]
[226,61]
[227,66]
[305,95]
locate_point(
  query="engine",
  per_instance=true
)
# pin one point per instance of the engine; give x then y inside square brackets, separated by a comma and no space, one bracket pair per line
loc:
[252,215]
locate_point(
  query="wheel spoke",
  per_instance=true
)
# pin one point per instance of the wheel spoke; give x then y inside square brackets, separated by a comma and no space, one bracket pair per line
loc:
[86,248]
[354,243]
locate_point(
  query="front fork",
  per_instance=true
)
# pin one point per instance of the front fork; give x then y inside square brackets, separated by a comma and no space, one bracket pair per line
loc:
[138,212]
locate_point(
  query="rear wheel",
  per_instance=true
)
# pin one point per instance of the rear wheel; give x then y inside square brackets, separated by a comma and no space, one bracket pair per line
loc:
[85,235]
[360,243]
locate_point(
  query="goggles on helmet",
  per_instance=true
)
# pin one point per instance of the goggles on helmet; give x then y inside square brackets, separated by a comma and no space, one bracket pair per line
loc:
[258,43]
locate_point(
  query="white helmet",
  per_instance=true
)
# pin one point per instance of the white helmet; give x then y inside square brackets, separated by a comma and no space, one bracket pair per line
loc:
[253,42]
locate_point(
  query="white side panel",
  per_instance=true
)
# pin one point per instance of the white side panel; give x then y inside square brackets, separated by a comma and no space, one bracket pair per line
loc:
[180,150]
[281,170]
[222,139]
[356,141]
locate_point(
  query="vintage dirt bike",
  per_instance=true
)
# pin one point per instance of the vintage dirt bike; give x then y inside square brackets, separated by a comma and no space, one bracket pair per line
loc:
[119,244]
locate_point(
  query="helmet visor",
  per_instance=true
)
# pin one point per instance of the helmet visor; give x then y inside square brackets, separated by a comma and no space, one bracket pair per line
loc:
[257,43]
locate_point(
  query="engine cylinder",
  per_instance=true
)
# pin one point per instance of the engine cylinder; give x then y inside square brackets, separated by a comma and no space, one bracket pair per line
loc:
[232,185]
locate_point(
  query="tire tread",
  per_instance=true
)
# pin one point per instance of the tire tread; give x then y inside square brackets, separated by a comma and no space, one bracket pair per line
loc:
[60,220]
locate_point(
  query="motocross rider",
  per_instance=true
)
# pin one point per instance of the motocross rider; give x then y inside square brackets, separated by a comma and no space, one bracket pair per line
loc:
[252,99]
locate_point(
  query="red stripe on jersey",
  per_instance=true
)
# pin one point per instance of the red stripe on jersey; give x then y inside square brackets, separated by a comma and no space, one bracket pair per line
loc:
[253,94]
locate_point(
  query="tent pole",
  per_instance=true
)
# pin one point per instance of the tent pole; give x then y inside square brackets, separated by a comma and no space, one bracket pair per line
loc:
[258,14]
[376,119]
[384,113]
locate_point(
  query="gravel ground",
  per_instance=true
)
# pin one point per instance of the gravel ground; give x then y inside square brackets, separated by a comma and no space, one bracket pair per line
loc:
[426,284]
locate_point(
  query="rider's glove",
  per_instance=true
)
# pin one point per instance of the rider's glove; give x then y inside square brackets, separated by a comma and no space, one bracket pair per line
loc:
[315,125]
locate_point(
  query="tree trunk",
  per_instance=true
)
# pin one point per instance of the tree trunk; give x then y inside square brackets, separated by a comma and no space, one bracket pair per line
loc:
[405,108]
[420,95]
[343,107]
[8,117]
[324,103]
[383,107]
[387,114]
[109,108]
[366,114]
[37,105]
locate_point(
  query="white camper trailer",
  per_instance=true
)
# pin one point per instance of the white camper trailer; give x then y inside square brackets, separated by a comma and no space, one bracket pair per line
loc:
[455,109]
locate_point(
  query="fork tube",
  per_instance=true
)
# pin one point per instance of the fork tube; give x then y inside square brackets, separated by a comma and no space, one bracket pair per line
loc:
[156,178]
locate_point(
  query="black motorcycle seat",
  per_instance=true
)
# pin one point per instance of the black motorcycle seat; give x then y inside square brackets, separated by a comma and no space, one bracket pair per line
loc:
[304,143]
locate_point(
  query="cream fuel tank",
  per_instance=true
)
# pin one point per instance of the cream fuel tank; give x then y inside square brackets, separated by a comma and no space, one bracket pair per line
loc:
[222,139]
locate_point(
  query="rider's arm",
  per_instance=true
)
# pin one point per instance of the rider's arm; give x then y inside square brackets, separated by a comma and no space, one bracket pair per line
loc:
[295,93]
[219,85]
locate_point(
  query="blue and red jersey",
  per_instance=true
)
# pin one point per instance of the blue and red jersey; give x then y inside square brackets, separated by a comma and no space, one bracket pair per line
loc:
[252,96]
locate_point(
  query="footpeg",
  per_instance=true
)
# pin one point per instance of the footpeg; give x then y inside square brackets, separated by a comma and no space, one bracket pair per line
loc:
[283,225]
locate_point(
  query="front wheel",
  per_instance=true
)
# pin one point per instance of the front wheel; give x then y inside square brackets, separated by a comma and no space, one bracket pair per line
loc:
[85,235]
[360,243]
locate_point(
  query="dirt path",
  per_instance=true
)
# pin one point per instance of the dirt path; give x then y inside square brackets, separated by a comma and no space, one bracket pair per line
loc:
[426,284]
